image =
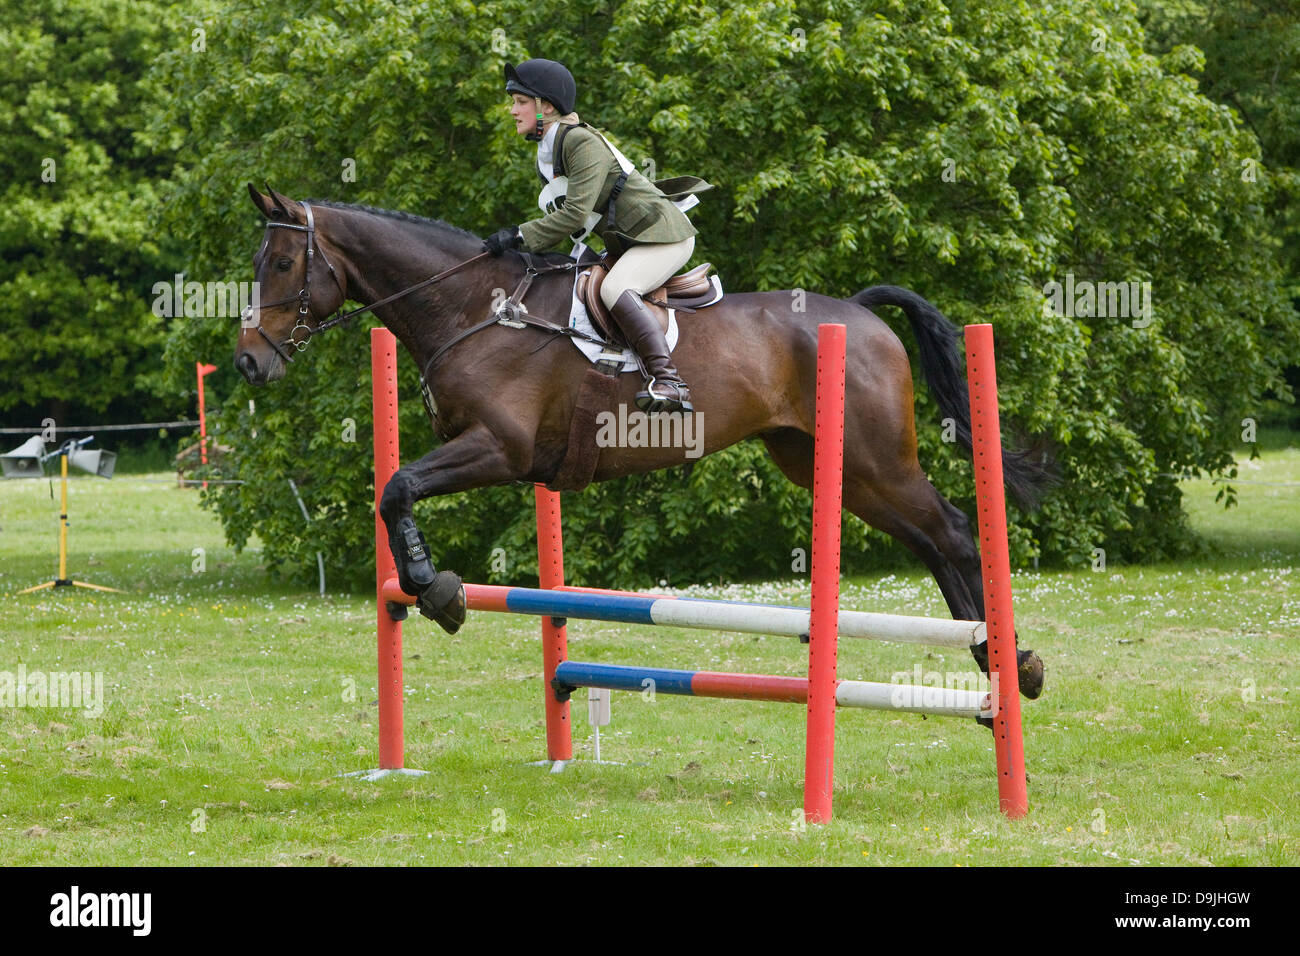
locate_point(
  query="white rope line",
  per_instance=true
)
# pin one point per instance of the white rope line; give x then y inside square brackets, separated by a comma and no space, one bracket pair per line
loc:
[98,428]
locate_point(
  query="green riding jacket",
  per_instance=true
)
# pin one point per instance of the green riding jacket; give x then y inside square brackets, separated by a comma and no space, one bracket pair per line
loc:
[643,212]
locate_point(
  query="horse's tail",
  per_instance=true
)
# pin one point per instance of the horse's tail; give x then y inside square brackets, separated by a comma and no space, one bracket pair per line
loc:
[1027,474]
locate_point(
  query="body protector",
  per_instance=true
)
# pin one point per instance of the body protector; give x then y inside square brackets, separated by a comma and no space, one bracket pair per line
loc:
[681,190]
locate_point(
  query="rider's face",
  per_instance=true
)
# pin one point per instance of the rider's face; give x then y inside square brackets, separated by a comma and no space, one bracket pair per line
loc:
[524,110]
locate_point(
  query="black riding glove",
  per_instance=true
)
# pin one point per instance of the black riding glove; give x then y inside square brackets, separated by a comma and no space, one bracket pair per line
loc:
[503,239]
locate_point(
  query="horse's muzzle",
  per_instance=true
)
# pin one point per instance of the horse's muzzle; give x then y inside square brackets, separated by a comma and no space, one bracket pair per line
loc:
[258,373]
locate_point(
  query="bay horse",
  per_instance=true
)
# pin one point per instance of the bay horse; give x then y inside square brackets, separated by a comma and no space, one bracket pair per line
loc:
[504,396]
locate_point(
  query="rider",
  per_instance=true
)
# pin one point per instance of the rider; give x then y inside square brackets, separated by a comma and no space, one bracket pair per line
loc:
[649,234]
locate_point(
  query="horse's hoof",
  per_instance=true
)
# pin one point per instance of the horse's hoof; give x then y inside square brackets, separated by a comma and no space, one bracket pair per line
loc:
[985,722]
[1030,674]
[443,601]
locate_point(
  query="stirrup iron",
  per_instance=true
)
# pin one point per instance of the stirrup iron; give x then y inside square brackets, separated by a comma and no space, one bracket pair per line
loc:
[651,403]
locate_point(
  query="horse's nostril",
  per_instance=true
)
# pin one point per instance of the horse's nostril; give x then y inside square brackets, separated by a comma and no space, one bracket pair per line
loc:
[246,364]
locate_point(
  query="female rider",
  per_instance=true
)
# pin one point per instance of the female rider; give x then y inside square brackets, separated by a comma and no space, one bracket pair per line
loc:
[651,237]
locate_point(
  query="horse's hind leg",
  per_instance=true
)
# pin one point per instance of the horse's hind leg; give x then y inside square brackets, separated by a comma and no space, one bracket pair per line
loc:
[908,508]
[941,548]
[940,534]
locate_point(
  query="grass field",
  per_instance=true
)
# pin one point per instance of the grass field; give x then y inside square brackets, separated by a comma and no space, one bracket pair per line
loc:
[1167,733]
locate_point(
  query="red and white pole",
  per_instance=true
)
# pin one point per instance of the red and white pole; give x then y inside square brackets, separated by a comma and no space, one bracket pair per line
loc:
[990,497]
[383,370]
[555,640]
[828,494]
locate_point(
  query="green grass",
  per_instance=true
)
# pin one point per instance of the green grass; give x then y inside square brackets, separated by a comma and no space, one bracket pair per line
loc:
[1167,733]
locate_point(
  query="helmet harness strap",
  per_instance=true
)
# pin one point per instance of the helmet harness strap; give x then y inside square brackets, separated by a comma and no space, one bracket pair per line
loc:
[536,135]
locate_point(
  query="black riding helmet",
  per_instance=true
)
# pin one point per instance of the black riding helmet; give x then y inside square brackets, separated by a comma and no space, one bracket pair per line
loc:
[547,79]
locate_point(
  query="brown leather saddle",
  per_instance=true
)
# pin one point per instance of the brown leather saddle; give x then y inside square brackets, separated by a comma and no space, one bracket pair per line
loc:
[686,292]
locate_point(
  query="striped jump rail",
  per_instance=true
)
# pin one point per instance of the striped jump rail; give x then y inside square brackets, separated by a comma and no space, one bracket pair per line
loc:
[911,698]
[706,614]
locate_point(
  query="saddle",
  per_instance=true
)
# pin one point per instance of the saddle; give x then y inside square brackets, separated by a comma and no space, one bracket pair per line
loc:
[685,292]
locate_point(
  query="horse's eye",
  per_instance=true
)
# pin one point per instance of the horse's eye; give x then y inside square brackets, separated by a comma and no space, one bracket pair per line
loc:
[284,264]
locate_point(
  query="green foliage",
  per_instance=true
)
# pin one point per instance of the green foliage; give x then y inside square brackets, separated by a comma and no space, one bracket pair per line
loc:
[974,153]
[323,442]
[1247,55]
[75,205]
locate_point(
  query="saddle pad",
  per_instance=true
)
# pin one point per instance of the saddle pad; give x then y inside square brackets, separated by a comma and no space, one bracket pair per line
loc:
[580,320]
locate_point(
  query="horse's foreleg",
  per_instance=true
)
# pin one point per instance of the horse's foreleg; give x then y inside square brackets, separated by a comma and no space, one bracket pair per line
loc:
[473,459]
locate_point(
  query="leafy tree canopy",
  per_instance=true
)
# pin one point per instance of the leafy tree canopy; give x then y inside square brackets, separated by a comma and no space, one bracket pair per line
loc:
[975,152]
[77,193]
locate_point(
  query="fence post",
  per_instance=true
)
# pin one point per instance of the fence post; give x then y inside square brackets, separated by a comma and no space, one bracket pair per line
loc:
[828,488]
[555,641]
[990,497]
[383,372]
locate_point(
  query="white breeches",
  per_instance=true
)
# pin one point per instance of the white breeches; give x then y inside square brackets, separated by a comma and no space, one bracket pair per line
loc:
[645,268]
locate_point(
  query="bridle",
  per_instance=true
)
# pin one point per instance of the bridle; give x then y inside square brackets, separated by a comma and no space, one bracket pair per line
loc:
[303,296]
[511,313]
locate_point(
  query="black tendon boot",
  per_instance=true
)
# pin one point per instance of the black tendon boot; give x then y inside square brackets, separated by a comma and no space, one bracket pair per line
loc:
[665,391]
[440,596]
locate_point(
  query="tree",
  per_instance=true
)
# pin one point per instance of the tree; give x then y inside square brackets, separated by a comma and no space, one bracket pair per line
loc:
[1251,62]
[79,189]
[976,154]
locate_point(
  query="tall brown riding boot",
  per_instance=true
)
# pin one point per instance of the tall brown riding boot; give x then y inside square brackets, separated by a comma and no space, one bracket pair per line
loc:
[664,391]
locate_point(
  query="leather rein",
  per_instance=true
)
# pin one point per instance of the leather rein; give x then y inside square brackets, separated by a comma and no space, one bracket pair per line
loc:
[510,314]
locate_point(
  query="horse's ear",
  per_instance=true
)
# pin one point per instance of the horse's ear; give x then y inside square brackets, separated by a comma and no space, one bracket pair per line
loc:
[263,203]
[281,202]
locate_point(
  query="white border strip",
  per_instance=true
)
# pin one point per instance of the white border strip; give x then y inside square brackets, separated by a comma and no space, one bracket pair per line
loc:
[793,622]
[914,699]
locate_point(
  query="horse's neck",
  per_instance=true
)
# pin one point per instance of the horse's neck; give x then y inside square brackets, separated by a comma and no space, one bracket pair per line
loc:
[380,266]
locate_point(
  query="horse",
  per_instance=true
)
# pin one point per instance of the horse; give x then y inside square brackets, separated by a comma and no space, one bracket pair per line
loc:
[504,396]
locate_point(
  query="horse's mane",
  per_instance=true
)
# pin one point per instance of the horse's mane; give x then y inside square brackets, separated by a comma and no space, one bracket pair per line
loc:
[397,215]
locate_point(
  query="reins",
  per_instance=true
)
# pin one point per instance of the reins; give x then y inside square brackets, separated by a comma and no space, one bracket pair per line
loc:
[303,296]
[510,314]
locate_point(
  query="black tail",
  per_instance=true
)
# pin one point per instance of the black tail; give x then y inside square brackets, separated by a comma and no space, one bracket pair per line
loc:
[1027,474]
